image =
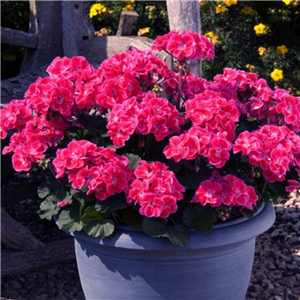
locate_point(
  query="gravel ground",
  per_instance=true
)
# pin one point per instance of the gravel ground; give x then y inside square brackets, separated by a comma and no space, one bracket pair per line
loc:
[275,276]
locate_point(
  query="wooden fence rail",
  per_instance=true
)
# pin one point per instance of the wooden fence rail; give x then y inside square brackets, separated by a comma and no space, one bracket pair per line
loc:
[18,38]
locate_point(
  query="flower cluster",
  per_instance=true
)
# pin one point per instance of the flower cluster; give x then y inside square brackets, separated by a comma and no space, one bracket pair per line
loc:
[33,137]
[155,189]
[152,115]
[188,45]
[162,139]
[97,9]
[278,106]
[228,190]
[101,170]
[272,148]
[213,119]
[14,116]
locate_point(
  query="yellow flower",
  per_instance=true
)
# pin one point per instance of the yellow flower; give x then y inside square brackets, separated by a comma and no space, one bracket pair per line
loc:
[282,49]
[262,51]
[277,75]
[129,1]
[151,11]
[105,31]
[286,2]
[298,92]
[230,2]
[128,7]
[97,9]
[220,9]
[213,37]
[250,67]
[260,29]
[247,10]
[8,57]
[143,31]
[150,7]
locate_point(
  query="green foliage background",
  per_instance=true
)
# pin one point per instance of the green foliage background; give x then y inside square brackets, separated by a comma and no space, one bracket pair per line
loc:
[15,15]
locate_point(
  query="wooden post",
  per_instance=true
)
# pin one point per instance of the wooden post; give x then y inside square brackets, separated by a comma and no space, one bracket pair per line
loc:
[15,235]
[185,14]
[14,262]
[127,20]
[45,22]
[76,26]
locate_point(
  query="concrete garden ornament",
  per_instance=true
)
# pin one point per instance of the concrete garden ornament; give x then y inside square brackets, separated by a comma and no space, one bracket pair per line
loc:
[164,179]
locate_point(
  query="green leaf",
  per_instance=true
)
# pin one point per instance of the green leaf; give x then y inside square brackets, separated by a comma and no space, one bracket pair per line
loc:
[90,213]
[278,188]
[178,235]
[133,218]
[78,195]
[191,180]
[43,190]
[60,195]
[133,160]
[104,229]
[67,221]
[94,224]
[48,209]
[248,213]
[113,203]
[155,227]
[199,217]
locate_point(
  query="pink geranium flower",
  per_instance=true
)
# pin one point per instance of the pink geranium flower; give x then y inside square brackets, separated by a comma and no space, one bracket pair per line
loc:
[135,137]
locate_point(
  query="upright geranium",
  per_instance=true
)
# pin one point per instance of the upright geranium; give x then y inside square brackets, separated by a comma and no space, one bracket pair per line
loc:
[135,143]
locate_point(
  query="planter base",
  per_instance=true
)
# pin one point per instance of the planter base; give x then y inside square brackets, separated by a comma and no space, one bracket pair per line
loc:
[132,266]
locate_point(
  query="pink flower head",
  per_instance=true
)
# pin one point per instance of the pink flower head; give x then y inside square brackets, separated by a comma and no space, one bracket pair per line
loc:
[228,190]
[101,170]
[293,185]
[180,147]
[272,148]
[181,46]
[187,45]
[73,68]
[123,121]
[207,193]
[158,116]
[155,189]
[14,115]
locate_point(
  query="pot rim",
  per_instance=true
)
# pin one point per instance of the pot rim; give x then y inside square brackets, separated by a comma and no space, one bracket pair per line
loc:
[227,233]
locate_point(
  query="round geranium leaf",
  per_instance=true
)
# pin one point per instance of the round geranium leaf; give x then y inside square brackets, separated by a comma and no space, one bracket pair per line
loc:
[178,235]
[48,209]
[67,220]
[95,224]
[43,190]
[133,218]
[103,229]
[155,227]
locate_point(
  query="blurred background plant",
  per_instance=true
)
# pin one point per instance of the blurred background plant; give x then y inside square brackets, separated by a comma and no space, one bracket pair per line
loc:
[256,36]
[152,22]
[15,15]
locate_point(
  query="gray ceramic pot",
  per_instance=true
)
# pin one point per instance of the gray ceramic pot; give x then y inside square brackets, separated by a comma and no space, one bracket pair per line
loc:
[132,266]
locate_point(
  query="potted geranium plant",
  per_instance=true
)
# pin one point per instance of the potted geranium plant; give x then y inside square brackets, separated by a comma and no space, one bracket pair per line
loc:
[155,172]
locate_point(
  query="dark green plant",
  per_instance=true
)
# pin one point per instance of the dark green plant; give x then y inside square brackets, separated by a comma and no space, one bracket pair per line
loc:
[14,15]
[237,44]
